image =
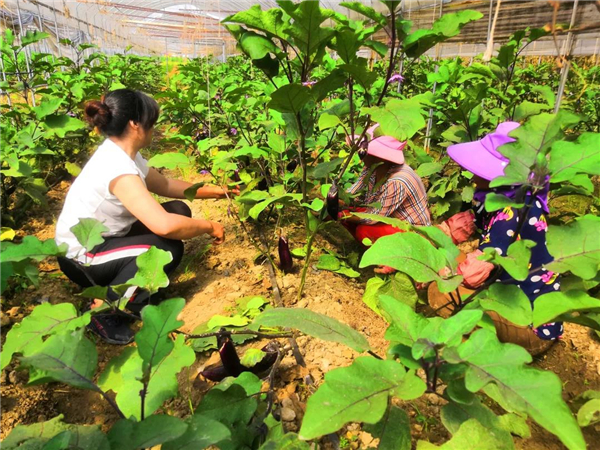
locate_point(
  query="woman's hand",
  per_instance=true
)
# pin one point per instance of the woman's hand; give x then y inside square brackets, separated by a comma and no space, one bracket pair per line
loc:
[223,192]
[218,233]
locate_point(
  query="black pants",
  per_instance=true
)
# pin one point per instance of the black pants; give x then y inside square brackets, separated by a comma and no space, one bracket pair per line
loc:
[113,262]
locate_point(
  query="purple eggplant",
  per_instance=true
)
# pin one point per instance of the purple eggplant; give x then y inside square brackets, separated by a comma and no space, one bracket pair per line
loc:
[285,257]
[362,152]
[230,365]
[291,166]
[236,176]
[333,201]
[229,356]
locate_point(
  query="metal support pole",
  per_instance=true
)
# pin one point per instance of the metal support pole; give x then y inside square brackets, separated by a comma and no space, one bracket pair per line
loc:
[57,36]
[27,53]
[567,63]
[430,119]
[401,62]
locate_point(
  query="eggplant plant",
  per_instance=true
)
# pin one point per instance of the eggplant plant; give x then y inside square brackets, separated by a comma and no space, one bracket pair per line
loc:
[289,45]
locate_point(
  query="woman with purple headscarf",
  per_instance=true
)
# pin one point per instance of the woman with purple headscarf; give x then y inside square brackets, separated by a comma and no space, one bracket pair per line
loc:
[483,159]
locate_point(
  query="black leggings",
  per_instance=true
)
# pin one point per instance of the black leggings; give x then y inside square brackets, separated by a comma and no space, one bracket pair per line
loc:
[113,262]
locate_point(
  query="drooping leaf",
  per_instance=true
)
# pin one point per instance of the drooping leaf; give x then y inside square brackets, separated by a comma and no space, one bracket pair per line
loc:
[405,324]
[357,393]
[575,247]
[89,232]
[365,11]
[589,413]
[190,193]
[171,160]
[314,324]
[306,31]
[47,107]
[393,430]
[251,357]
[509,301]
[523,388]
[46,319]
[157,429]
[256,46]
[269,21]
[31,247]
[37,435]
[151,274]
[68,357]
[412,254]
[7,234]
[548,307]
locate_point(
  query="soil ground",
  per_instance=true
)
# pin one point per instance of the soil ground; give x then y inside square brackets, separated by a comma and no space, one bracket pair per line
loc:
[211,278]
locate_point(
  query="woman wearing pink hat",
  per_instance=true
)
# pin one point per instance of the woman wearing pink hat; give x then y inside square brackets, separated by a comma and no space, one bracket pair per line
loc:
[393,185]
[483,159]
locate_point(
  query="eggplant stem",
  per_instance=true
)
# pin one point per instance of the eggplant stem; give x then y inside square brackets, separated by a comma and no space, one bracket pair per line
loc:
[232,332]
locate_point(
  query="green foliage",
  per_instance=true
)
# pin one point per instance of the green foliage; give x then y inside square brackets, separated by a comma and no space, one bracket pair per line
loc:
[89,232]
[315,324]
[397,285]
[359,392]
[150,274]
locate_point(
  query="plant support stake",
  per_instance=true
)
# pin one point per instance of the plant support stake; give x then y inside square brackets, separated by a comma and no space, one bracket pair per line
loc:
[564,73]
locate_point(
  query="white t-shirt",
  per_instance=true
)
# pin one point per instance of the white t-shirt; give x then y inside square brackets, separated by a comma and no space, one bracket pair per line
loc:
[90,197]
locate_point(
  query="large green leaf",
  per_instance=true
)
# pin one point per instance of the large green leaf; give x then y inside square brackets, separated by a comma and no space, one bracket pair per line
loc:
[128,434]
[412,254]
[576,247]
[533,140]
[269,21]
[568,159]
[61,124]
[153,339]
[31,247]
[46,319]
[47,107]
[398,286]
[68,357]
[171,160]
[400,119]
[233,402]
[495,202]
[366,11]
[470,436]
[405,324]
[305,30]
[360,73]
[445,27]
[548,307]
[290,98]
[523,388]
[89,232]
[37,435]
[454,415]
[124,372]
[257,46]
[516,261]
[509,301]
[393,430]
[358,393]
[287,441]
[151,274]
[314,324]
[202,432]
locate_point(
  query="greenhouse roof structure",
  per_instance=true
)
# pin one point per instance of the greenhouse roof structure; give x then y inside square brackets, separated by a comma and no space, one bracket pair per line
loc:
[191,28]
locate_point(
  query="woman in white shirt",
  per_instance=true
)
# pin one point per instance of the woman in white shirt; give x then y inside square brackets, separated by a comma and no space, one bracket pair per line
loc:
[115,188]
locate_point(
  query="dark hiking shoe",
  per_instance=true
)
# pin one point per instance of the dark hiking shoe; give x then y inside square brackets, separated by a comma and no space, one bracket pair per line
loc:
[112,327]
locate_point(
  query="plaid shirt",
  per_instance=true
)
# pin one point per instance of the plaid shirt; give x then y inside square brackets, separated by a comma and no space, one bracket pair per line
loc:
[402,196]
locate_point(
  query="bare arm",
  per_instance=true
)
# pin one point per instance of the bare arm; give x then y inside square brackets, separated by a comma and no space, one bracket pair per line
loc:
[130,190]
[167,187]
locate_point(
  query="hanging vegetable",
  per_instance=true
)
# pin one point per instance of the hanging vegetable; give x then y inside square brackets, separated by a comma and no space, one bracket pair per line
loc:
[285,257]
[333,201]
[236,176]
[291,166]
[230,365]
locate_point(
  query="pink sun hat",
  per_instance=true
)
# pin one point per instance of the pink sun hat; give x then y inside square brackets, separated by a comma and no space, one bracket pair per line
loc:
[383,147]
[482,157]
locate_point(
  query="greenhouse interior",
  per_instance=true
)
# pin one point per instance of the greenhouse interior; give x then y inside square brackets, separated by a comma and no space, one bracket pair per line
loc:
[300,224]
